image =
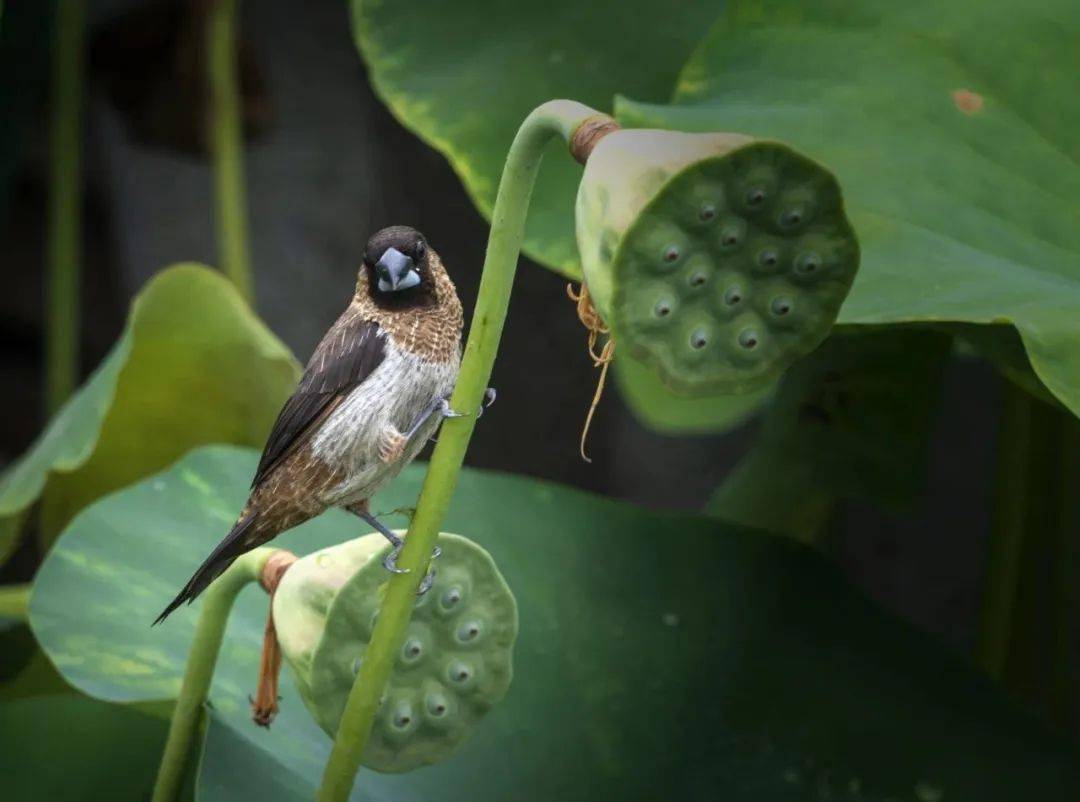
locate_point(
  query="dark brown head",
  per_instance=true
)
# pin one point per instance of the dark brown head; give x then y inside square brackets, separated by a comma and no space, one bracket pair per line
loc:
[402,270]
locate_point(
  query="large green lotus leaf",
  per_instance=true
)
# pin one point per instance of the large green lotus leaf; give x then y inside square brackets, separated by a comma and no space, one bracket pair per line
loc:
[951,127]
[852,420]
[660,657]
[72,749]
[464,75]
[181,375]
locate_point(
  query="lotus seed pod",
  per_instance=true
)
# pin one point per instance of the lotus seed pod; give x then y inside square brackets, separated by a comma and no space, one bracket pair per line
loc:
[455,662]
[716,258]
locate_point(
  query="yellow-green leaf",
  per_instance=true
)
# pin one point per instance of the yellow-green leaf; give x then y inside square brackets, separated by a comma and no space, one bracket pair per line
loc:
[194,365]
[464,75]
[952,130]
[776,680]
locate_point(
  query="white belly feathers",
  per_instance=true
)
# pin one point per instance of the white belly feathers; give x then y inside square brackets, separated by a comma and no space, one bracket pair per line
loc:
[395,394]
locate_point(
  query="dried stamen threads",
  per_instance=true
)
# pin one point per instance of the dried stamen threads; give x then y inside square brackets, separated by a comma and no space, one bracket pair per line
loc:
[592,321]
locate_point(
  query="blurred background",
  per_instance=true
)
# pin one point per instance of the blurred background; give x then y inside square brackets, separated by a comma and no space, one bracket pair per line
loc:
[326,166]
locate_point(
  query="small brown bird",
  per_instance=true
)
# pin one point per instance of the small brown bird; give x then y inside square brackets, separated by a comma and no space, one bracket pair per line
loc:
[373,393]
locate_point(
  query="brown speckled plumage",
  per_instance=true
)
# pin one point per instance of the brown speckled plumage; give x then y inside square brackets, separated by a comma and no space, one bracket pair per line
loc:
[389,353]
[289,495]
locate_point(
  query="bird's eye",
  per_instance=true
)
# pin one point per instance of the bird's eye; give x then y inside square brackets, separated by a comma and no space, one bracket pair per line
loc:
[420,249]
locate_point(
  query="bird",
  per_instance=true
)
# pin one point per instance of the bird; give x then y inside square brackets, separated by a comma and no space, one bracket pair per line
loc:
[374,391]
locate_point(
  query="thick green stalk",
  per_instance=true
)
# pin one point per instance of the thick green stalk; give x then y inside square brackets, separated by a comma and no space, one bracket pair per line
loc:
[15,601]
[1024,629]
[1011,485]
[558,118]
[209,631]
[65,206]
[226,139]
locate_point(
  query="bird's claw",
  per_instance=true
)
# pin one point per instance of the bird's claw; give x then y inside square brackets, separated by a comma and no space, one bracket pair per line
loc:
[447,411]
[489,399]
[390,560]
[390,564]
[427,582]
[429,577]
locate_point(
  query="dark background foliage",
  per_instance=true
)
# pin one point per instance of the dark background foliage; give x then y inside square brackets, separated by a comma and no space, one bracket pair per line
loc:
[326,166]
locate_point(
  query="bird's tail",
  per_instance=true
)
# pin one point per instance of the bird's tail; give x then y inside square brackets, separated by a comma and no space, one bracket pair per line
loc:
[237,542]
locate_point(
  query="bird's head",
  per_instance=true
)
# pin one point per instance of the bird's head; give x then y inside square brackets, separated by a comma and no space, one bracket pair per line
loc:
[400,268]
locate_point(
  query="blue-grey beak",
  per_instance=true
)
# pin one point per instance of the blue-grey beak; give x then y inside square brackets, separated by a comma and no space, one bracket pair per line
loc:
[396,271]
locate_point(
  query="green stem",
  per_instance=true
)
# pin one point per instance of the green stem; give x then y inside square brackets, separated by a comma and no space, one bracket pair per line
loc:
[557,118]
[209,631]
[226,139]
[15,601]
[65,221]
[1024,628]
[1007,530]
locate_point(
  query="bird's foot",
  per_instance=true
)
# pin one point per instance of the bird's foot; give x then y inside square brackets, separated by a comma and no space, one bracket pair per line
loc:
[391,445]
[390,564]
[448,412]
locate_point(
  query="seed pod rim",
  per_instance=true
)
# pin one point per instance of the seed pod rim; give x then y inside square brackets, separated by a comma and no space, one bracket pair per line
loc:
[800,346]
[346,621]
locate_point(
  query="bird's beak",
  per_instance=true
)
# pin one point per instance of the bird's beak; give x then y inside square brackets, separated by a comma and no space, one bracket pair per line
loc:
[396,271]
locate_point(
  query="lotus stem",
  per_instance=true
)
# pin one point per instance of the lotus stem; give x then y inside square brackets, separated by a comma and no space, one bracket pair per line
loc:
[558,118]
[15,601]
[1024,627]
[226,139]
[1007,534]
[209,631]
[65,205]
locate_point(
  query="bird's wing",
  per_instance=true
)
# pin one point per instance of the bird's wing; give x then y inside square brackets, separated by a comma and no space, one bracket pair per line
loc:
[348,354]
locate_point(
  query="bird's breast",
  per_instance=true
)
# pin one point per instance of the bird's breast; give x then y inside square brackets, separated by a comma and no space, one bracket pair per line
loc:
[395,394]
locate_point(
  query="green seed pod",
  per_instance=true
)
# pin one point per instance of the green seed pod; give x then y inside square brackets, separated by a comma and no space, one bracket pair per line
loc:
[716,258]
[455,662]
